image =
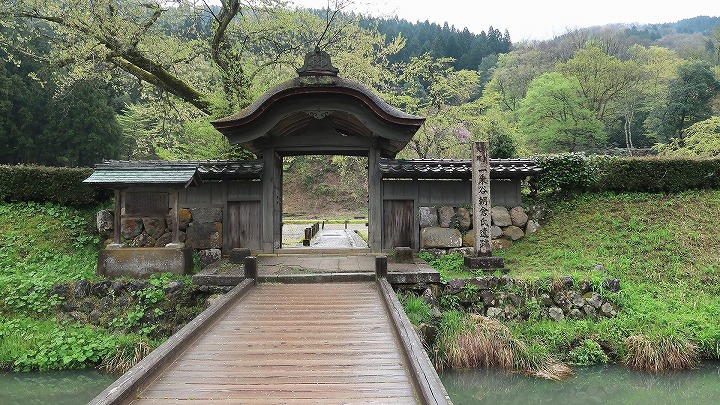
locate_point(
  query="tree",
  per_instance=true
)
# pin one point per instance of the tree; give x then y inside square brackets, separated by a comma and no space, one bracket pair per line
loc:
[553,116]
[602,77]
[82,129]
[190,49]
[689,99]
[700,139]
[513,73]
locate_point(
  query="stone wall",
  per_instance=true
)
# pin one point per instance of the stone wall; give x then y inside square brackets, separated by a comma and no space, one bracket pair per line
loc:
[160,309]
[449,229]
[200,228]
[505,298]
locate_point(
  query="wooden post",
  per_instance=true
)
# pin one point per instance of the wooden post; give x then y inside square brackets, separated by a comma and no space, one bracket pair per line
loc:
[117,220]
[375,200]
[251,270]
[176,219]
[381,268]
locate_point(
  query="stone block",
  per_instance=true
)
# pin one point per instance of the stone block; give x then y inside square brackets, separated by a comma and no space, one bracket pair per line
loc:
[484,262]
[105,221]
[428,216]
[205,215]
[499,244]
[518,217]
[495,232]
[204,235]
[531,227]
[500,216]
[513,233]
[131,227]
[142,262]
[446,216]
[436,237]
[185,217]
[209,256]
[465,251]
[237,255]
[155,227]
[464,219]
[469,239]
[403,255]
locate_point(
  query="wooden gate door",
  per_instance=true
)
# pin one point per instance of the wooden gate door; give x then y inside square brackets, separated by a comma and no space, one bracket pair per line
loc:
[244,219]
[398,224]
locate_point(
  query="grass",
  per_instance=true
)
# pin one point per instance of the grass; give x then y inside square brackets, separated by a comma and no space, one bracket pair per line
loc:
[42,245]
[665,251]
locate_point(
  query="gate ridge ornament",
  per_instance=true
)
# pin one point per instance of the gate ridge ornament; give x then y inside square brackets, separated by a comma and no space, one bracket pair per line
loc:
[318,63]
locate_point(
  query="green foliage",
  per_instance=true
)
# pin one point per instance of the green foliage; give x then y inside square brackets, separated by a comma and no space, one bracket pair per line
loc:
[567,172]
[578,172]
[27,344]
[670,175]
[689,99]
[554,118]
[700,139]
[42,245]
[52,184]
[587,353]
[657,245]
[417,310]
[450,266]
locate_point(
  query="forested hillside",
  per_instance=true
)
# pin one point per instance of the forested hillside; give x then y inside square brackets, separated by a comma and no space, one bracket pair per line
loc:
[142,80]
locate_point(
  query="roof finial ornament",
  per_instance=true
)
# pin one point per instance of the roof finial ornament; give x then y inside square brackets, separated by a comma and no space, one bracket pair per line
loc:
[317,63]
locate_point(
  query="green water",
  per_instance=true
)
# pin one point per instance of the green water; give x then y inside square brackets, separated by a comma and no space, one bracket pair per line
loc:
[52,387]
[607,384]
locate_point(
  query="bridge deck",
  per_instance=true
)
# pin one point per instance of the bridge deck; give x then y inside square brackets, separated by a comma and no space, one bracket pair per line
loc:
[300,343]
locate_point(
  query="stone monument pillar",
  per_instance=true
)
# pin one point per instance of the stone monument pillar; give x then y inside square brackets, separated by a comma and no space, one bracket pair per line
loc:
[481,210]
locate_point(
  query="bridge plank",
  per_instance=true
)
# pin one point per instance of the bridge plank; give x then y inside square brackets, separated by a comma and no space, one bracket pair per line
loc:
[299,343]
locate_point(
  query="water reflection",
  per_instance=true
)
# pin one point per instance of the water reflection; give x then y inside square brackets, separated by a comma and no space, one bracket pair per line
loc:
[56,387]
[607,384]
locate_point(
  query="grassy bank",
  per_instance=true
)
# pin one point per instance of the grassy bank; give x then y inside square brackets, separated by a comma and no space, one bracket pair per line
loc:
[42,245]
[665,251]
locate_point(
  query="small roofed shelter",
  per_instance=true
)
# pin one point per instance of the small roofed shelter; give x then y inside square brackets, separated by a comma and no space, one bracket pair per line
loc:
[319,112]
[162,183]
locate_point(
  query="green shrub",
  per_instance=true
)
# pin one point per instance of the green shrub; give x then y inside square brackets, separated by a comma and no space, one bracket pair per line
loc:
[567,172]
[49,184]
[577,172]
[587,353]
[655,174]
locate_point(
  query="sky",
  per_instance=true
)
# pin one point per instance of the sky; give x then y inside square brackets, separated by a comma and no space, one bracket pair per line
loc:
[529,19]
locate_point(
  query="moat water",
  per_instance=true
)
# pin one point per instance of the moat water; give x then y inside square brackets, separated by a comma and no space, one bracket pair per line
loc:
[607,384]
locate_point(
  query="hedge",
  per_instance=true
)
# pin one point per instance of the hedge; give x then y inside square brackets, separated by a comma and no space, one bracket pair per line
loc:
[52,184]
[655,174]
[577,172]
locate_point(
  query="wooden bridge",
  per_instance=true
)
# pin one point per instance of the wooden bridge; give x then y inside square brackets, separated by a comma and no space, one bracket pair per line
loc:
[339,342]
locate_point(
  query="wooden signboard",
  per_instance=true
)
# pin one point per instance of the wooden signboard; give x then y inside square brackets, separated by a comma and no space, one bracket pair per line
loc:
[146,204]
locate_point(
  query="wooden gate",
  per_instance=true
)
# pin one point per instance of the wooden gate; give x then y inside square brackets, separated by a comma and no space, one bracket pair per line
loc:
[398,224]
[245,222]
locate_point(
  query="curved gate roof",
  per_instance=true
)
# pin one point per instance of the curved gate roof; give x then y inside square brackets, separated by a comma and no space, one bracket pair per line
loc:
[319,112]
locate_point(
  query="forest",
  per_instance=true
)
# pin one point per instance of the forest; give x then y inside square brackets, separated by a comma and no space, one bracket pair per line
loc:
[84,81]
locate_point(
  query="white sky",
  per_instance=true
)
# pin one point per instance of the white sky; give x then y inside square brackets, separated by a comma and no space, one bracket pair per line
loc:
[528,19]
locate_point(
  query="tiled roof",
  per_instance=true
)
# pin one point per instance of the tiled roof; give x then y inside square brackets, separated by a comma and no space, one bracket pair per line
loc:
[185,173]
[456,169]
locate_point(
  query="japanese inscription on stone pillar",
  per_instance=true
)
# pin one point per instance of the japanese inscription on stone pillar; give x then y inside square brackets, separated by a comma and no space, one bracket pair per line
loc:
[481,197]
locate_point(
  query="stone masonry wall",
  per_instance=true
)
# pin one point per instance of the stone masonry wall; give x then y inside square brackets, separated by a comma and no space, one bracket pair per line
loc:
[449,229]
[506,298]
[200,228]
